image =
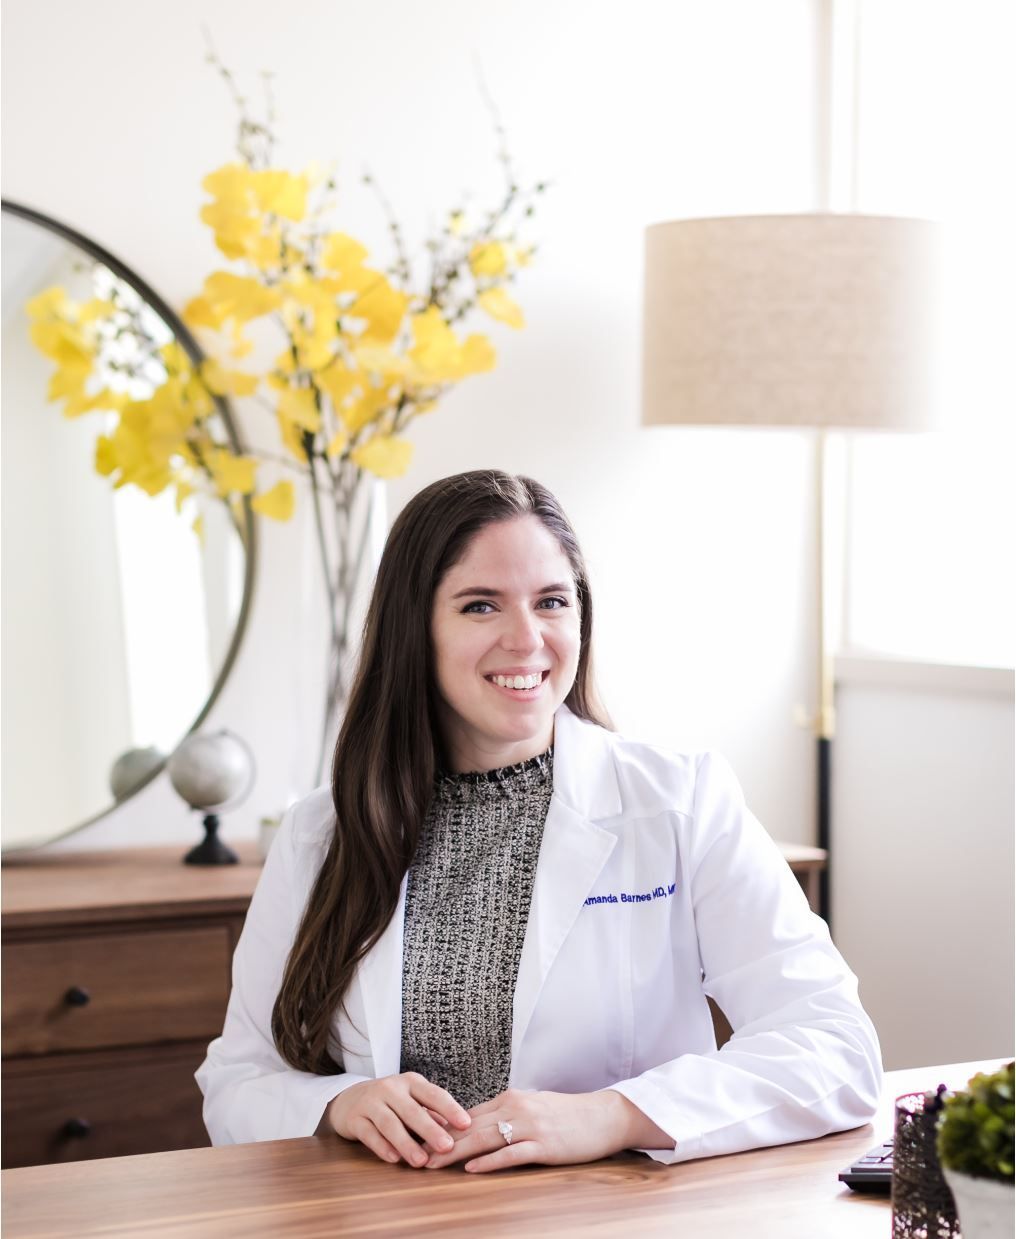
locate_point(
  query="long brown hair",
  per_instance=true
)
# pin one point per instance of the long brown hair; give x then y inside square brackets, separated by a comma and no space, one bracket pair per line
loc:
[388,748]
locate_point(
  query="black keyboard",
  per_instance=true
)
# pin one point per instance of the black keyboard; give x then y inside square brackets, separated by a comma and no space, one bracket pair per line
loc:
[873,1172]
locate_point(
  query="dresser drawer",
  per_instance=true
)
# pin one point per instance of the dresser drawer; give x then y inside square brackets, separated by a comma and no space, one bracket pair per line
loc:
[78,1106]
[75,993]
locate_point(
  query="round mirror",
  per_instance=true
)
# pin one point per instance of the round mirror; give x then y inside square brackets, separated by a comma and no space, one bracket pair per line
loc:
[123,611]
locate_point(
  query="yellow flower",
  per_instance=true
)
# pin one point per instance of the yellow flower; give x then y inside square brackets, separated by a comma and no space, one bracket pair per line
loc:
[499,305]
[198,526]
[285,368]
[386,456]
[231,473]
[68,381]
[488,258]
[105,456]
[478,354]
[168,414]
[438,355]
[200,312]
[338,382]
[231,183]
[62,342]
[95,308]
[277,503]
[313,352]
[246,204]
[183,492]
[309,313]
[266,250]
[278,192]
[50,303]
[231,215]
[367,409]
[138,453]
[131,450]
[234,230]
[104,401]
[240,345]
[436,346]
[227,382]
[176,360]
[376,359]
[299,406]
[356,358]
[341,253]
[381,308]
[239,297]
[195,399]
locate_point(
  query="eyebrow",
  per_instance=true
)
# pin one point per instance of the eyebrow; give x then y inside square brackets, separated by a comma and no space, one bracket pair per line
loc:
[475,591]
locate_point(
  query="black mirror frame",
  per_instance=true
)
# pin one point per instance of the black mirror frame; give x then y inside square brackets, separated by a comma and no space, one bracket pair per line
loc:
[247,531]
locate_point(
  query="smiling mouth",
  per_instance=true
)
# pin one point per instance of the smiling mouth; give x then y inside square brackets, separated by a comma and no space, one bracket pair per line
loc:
[519,685]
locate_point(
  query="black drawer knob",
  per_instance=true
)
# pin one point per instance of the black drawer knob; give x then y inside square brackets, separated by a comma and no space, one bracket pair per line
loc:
[77,1128]
[77,997]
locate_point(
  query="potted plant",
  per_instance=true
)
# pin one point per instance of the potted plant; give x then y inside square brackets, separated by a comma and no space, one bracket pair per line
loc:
[975,1149]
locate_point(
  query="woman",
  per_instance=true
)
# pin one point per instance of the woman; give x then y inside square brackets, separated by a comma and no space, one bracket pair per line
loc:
[492,943]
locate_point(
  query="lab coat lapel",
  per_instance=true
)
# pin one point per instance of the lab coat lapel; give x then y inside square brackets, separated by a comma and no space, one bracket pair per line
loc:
[380,976]
[572,854]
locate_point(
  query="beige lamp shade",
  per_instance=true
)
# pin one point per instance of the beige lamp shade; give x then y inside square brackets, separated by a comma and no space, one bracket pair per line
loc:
[793,320]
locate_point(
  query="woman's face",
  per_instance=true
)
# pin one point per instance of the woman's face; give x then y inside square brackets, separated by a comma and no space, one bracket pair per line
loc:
[506,610]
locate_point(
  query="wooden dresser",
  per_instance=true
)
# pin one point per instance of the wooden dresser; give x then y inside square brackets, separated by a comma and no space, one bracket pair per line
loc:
[116,974]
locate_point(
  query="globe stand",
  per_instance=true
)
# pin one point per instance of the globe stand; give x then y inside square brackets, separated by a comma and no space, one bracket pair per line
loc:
[212,851]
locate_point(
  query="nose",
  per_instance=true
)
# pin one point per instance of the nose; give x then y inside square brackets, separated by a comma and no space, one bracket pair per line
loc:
[522,632]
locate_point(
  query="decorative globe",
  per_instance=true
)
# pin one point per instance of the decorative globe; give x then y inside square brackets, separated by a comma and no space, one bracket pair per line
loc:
[209,769]
[132,768]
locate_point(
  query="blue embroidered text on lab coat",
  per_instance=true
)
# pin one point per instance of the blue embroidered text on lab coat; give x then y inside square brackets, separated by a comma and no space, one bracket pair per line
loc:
[659,892]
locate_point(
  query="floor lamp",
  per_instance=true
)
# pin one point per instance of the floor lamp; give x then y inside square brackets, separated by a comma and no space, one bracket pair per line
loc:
[824,321]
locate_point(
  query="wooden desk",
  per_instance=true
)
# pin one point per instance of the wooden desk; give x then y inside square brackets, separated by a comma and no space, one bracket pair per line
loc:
[326,1187]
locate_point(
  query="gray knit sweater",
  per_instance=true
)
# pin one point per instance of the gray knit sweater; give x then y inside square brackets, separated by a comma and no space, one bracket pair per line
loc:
[467,907]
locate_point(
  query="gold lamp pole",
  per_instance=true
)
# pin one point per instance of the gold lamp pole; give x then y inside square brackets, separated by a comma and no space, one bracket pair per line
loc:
[821,320]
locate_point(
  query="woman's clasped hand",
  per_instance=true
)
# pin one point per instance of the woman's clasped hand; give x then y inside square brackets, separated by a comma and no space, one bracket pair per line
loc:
[391,1116]
[406,1118]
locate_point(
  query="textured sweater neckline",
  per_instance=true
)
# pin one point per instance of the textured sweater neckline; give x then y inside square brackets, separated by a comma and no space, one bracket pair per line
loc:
[535,773]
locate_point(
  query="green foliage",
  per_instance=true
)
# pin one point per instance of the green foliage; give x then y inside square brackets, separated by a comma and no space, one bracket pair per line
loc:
[975,1134]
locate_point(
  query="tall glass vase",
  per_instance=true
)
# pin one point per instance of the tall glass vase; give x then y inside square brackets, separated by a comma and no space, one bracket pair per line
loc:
[351,527]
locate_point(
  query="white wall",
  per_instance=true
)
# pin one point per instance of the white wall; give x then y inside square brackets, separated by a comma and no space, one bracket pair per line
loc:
[923,885]
[698,541]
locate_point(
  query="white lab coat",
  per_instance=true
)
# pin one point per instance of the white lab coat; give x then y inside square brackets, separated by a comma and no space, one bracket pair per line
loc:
[655,886]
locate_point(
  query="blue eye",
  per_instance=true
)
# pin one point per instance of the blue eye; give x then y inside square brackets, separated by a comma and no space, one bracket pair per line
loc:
[482,607]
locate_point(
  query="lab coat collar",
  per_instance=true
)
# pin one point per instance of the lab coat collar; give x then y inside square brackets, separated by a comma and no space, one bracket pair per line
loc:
[572,855]
[585,778]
